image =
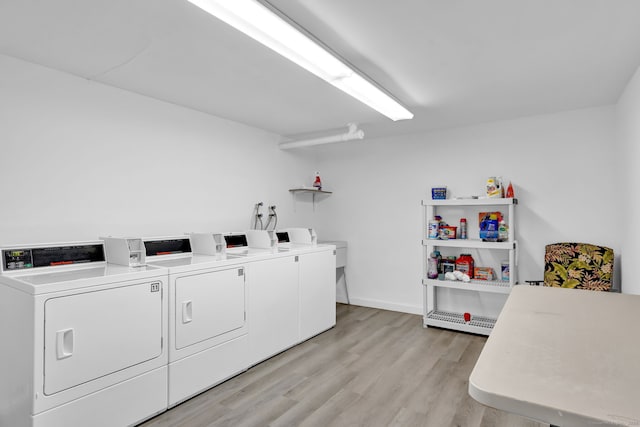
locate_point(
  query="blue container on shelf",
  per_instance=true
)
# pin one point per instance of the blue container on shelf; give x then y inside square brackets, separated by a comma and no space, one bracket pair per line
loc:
[438,193]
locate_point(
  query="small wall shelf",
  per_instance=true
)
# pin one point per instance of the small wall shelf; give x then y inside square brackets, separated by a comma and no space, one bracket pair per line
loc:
[309,190]
[295,191]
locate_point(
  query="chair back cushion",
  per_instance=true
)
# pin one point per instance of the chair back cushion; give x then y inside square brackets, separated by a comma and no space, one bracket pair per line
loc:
[578,266]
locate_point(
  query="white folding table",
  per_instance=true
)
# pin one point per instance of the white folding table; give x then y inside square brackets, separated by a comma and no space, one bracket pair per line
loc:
[563,356]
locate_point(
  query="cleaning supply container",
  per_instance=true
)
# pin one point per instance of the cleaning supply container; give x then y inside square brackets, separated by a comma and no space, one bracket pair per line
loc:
[465,264]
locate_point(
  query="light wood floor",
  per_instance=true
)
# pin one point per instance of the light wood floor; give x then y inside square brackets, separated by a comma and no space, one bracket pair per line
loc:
[375,368]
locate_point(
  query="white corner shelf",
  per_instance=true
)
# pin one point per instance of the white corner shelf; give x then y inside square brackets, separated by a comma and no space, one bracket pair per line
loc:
[309,190]
[432,315]
[312,191]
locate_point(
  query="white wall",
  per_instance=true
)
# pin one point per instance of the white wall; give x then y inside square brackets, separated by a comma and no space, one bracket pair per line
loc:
[562,166]
[80,159]
[628,115]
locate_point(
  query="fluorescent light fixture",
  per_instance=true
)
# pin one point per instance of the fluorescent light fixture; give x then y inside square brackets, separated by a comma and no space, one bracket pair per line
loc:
[265,26]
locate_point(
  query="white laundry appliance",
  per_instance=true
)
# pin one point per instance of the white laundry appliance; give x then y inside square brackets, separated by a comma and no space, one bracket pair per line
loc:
[83,341]
[273,292]
[207,314]
[291,289]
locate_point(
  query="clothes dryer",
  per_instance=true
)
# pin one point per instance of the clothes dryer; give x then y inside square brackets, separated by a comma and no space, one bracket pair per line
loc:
[84,340]
[207,314]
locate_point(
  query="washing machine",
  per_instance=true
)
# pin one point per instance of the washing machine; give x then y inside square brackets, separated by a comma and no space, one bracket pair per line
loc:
[83,341]
[273,292]
[317,266]
[207,313]
[291,288]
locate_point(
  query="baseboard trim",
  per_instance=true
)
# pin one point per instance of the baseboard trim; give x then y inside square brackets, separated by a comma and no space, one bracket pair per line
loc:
[385,305]
[341,299]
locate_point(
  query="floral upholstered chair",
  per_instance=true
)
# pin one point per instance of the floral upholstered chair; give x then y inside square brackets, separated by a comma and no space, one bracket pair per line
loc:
[578,266]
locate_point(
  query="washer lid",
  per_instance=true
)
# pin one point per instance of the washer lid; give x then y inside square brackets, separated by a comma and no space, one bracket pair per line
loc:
[196,262]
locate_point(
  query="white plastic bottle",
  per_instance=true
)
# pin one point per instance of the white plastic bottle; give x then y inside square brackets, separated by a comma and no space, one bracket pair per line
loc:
[503,231]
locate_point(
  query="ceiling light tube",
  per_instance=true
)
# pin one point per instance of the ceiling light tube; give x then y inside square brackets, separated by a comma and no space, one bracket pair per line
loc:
[262,24]
[352,133]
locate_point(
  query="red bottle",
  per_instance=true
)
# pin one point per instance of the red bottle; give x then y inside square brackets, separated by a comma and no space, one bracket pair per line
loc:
[463,228]
[510,191]
[317,183]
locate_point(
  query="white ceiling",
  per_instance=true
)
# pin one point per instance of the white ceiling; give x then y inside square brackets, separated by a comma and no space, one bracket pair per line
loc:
[451,62]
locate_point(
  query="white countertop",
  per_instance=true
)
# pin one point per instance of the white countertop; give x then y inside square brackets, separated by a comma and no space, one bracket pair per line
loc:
[563,356]
[337,243]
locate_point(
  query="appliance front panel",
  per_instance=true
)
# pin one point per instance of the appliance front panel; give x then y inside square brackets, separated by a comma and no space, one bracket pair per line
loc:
[208,305]
[273,307]
[317,293]
[91,335]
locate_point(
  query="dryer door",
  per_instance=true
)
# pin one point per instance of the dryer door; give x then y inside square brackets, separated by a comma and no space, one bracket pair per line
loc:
[208,305]
[93,334]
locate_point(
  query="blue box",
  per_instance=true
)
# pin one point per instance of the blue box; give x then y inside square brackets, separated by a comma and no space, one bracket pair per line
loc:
[439,193]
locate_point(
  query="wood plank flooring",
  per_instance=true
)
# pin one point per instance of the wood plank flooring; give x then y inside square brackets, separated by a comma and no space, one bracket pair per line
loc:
[375,368]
